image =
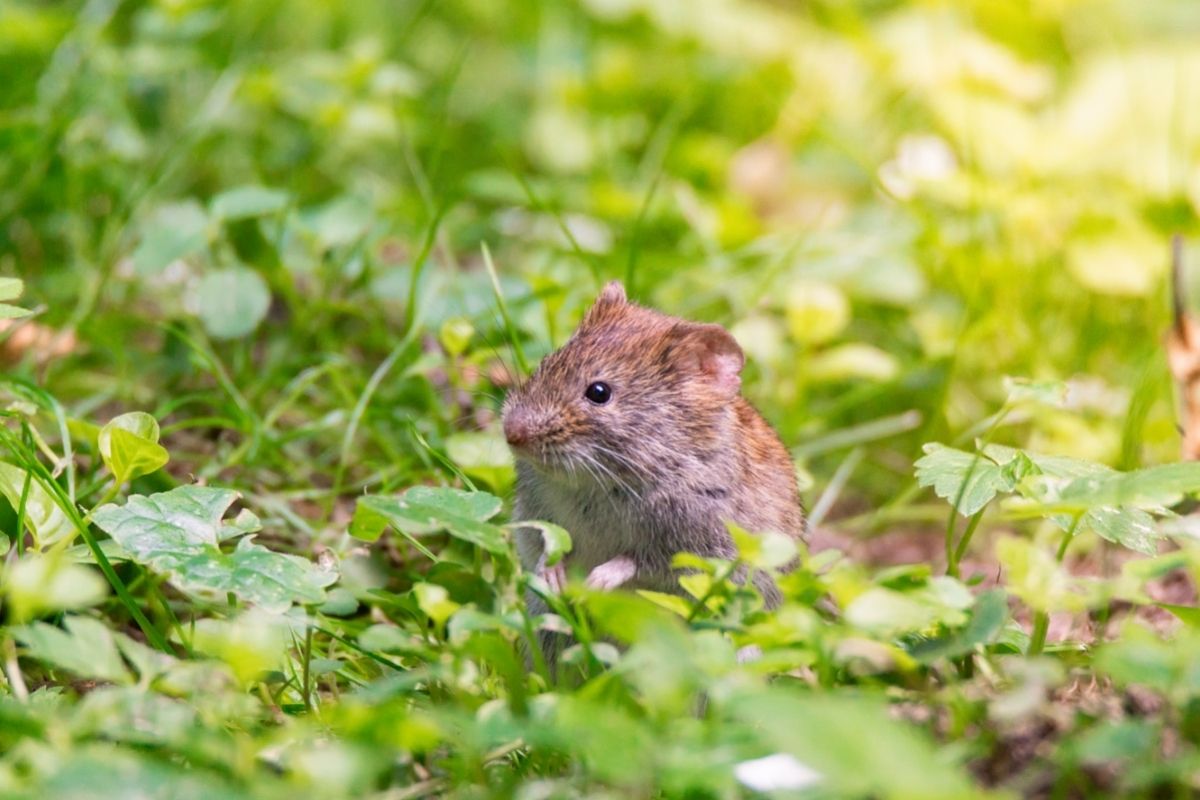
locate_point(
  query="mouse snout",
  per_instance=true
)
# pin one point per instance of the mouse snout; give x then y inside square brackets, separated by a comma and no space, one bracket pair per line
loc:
[518,428]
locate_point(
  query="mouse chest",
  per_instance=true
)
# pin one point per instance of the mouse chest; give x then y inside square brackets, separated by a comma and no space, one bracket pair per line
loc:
[602,523]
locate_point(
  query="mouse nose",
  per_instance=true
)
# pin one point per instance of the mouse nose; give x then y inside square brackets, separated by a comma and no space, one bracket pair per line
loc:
[517,430]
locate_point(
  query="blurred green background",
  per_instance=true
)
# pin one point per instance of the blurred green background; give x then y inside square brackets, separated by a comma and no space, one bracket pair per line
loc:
[893,204]
[269,224]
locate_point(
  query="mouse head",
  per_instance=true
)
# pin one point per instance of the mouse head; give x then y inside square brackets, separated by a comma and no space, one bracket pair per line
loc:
[631,391]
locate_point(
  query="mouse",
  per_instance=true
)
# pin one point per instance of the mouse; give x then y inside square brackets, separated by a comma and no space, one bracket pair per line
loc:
[634,436]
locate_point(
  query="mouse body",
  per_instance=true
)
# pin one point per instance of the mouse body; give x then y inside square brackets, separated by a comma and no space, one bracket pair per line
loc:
[634,437]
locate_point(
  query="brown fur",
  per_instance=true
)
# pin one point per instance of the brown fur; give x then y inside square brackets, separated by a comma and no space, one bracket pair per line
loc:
[664,464]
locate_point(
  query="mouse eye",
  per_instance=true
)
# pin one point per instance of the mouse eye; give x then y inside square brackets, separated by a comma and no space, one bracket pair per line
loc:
[598,393]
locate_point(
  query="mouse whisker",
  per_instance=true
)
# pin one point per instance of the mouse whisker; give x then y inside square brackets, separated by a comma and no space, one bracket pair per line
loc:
[621,460]
[616,479]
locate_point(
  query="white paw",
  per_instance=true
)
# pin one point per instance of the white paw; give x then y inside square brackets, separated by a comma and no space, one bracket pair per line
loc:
[555,576]
[612,573]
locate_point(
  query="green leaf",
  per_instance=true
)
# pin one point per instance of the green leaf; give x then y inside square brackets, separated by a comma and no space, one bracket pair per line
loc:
[129,714]
[255,574]
[41,583]
[232,302]
[1128,527]
[11,288]
[129,446]
[367,524]
[1110,742]
[8,311]
[435,601]
[339,222]
[884,612]
[953,474]
[43,517]
[1150,488]
[1055,466]
[1041,582]
[671,602]
[179,532]
[389,639]
[251,643]
[556,542]
[103,771]
[423,510]
[1189,615]
[987,618]
[173,232]
[482,455]
[765,550]
[1139,657]
[893,761]
[86,648]
[1025,390]
[248,201]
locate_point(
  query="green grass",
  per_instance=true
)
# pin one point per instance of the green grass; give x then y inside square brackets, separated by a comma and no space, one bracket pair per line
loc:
[317,242]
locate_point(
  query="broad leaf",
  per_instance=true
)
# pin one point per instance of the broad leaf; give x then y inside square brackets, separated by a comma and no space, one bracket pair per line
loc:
[1137,656]
[11,288]
[481,455]
[853,744]
[1189,615]
[423,510]
[1128,527]
[232,302]
[251,643]
[255,574]
[40,583]
[970,481]
[1149,488]
[179,532]
[1041,582]
[435,601]
[885,612]
[367,524]
[1025,390]
[129,714]
[987,618]
[105,771]
[129,446]
[556,542]
[43,517]
[86,648]
[174,231]
[243,202]
[1056,466]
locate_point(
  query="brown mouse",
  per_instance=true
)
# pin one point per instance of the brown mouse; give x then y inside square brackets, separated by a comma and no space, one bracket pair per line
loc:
[635,438]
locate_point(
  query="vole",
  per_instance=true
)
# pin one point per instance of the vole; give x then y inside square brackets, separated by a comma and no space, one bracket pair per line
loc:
[635,438]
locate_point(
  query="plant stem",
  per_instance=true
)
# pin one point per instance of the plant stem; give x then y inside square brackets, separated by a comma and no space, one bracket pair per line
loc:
[963,542]
[702,603]
[954,554]
[12,670]
[1041,620]
[306,673]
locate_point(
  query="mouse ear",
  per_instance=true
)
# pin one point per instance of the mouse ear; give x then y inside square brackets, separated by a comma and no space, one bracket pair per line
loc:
[717,356]
[612,298]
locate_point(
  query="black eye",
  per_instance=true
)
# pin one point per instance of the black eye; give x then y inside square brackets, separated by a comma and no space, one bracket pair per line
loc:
[598,393]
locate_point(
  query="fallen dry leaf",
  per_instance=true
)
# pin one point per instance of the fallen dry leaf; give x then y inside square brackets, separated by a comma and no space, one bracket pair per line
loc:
[19,338]
[1183,356]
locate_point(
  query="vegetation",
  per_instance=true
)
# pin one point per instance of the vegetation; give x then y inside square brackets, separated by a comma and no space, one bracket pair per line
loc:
[270,268]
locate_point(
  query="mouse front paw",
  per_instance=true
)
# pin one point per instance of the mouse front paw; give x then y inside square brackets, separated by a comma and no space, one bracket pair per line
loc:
[612,573]
[554,576]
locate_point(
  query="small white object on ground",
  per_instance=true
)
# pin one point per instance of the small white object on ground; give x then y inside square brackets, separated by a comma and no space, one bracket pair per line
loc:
[775,772]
